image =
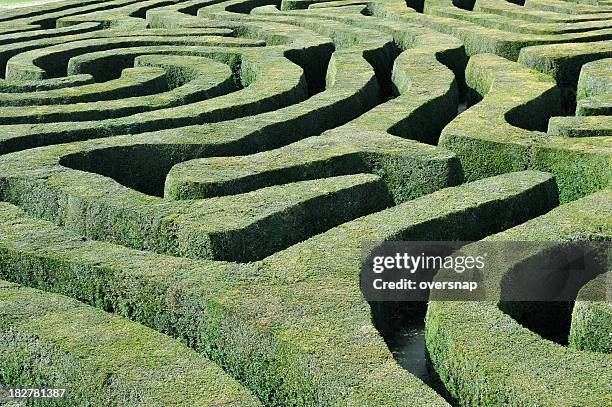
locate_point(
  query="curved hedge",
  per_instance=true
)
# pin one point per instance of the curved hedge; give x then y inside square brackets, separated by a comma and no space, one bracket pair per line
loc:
[499,133]
[208,79]
[294,337]
[592,317]
[146,143]
[595,89]
[51,341]
[473,346]
[409,169]
[486,32]
[132,82]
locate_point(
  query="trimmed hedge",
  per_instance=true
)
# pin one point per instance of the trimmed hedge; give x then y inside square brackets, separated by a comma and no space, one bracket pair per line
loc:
[580,126]
[242,227]
[202,79]
[426,91]
[446,8]
[259,71]
[489,33]
[409,169]
[473,346]
[594,93]
[294,327]
[564,61]
[47,17]
[133,82]
[51,341]
[92,31]
[595,78]
[139,227]
[129,16]
[520,12]
[572,8]
[281,139]
[591,327]
[415,112]
[310,50]
[493,136]
[15,36]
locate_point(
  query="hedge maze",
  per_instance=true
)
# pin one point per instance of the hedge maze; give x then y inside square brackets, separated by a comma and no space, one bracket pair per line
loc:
[186,187]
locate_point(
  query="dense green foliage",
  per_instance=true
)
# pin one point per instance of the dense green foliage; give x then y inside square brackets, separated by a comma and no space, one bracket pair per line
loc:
[191,185]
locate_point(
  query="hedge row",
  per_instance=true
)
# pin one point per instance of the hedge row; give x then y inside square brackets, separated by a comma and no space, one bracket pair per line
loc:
[325,155]
[182,14]
[82,129]
[564,61]
[426,91]
[596,105]
[77,158]
[256,221]
[293,328]
[203,79]
[50,341]
[446,8]
[409,169]
[351,88]
[491,33]
[473,346]
[416,111]
[292,41]
[579,8]
[499,134]
[271,82]
[130,16]
[593,108]
[39,9]
[32,33]
[580,126]
[520,12]
[241,227]
[594,94]
[133,82]
[592,317]
[89,31]
[47,17]
[20,42]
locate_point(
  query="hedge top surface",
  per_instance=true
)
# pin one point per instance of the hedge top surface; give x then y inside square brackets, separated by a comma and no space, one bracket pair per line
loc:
[474,344]
[316,319]
[105,358]
[278,136]
[592,316]
[516,102]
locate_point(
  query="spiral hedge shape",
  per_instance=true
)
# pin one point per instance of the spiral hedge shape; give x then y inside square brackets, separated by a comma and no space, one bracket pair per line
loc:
[186,186]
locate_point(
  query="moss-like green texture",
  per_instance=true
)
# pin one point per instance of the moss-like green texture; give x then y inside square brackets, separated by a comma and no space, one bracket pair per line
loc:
[271,82]
[409,169]
[180,80]
[293,328]
[500,133]
[564,61]
[500,32]
[595,78]
[282,137]
[581,126]
[51,341]
[484,357]
[241,227]
[594,94]
[591,328]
